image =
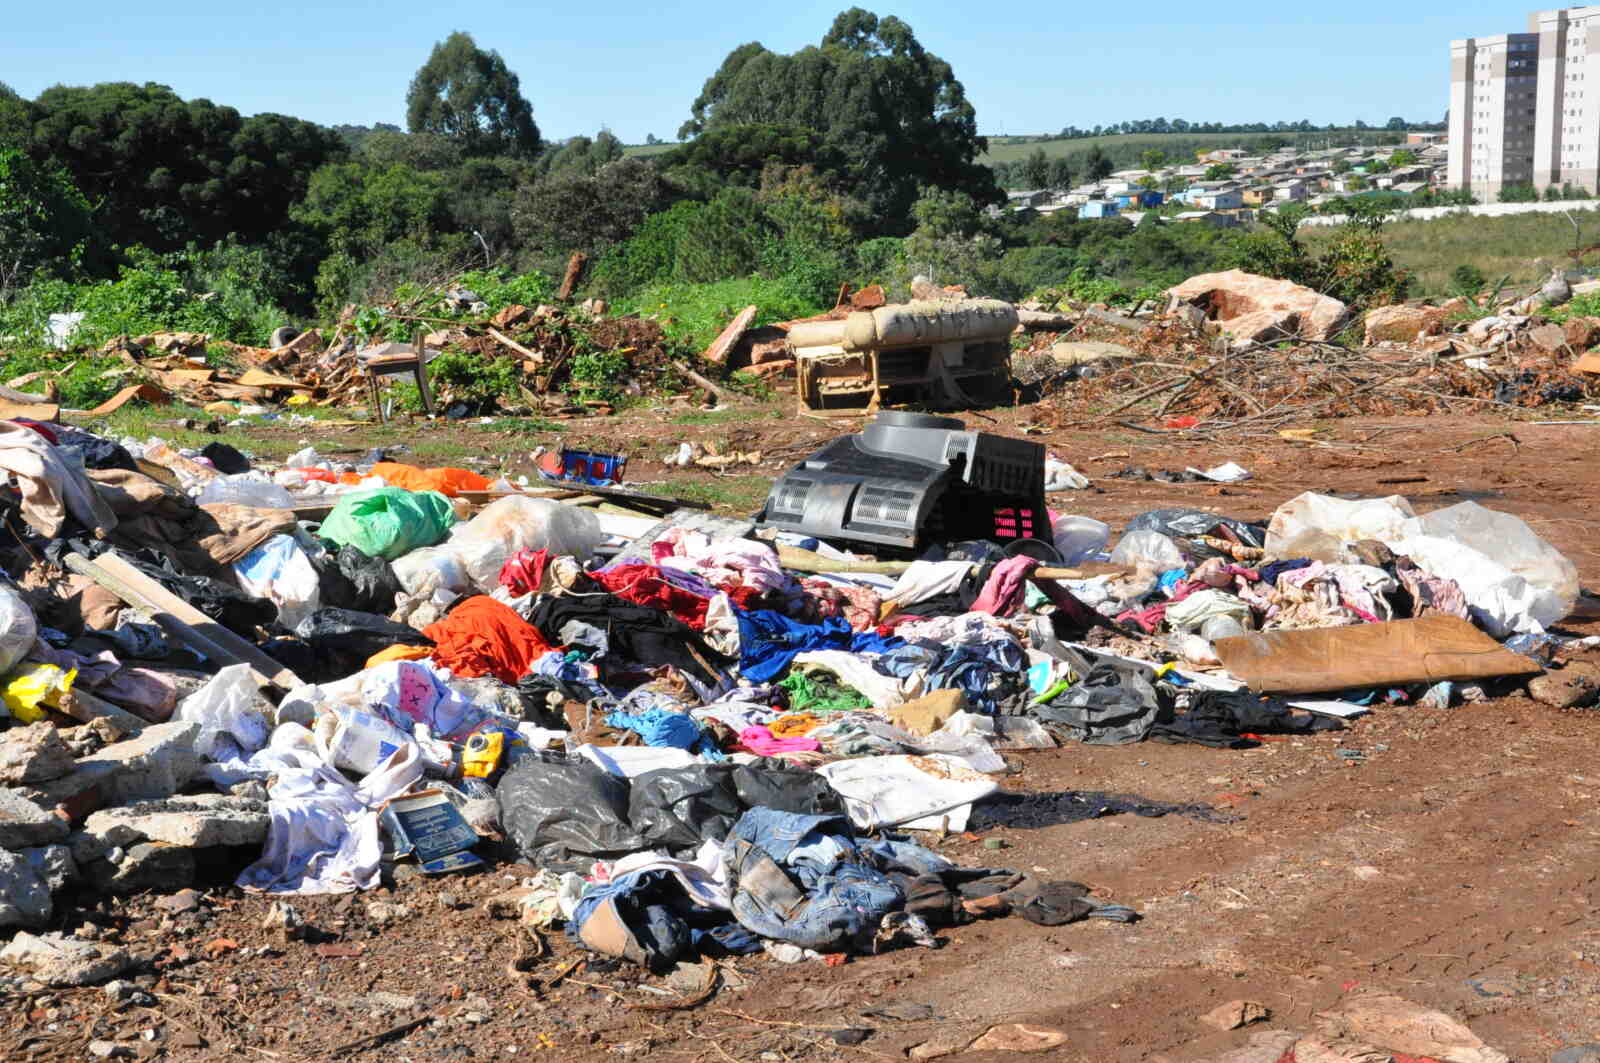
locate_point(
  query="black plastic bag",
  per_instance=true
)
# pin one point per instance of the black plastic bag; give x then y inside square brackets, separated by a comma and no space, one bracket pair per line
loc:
[1114,704]
[95,452]
[340,641]
[562,812]
[1188,525]
[226,604]
[349,578]
[679,808]
[227,460]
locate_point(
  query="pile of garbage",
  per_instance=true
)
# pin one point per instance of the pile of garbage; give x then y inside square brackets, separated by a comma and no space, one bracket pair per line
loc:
[1233,351]
[711,736]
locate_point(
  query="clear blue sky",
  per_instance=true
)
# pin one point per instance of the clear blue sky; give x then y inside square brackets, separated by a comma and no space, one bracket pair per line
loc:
[1028,66]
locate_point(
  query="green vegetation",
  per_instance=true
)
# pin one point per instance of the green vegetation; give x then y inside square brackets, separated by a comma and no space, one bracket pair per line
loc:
[1522,247]
[742,494]
[695,313]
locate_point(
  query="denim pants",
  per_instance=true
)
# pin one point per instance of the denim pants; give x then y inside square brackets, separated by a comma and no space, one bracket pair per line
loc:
[783,894]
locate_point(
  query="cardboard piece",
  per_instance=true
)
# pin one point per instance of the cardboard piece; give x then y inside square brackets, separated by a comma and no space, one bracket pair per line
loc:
[33,411]
[147,391]
[257,378]
[1588,363]
[1368,655]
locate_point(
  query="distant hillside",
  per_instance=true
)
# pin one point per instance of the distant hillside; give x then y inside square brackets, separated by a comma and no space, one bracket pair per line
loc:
[642,150]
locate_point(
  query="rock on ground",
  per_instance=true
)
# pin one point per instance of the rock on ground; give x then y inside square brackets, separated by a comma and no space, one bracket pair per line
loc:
[59,960]
[24,824]
[54,864]
[33,754]
[146,866]
[1403,324]
[199,821]
[156,764]
[1235,293]
[1401,1025]
[24,894]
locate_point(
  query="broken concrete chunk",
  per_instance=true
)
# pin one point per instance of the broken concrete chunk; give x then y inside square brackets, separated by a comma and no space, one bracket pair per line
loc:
[1262,1046]
[24,824]
[1236,1013]
[33,754]
[1403,324]
[24,894]
[198,822]
[1234,293]
[1339,1050]
[156,764]
[1018,1037]
[54,864]
[146,866]
[1575,685]
[59,960]
[1402,1025]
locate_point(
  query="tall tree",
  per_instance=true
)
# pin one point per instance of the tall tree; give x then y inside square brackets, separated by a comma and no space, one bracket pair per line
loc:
[1096,166]
[472,97]
[163,171]
[1060,174]
[893,112]
[1036,169]
[44,220]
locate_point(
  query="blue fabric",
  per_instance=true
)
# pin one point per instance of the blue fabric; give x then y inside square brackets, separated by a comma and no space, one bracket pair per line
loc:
[665,922]
[663,727]
[790,886]
[769,642]
[1170,579]
[974,667]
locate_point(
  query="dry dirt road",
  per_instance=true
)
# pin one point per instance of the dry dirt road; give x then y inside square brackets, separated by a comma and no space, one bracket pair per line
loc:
[1453,861]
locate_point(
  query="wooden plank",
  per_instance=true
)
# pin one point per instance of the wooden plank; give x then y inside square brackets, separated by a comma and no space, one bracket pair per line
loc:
[181,620]
[85,708]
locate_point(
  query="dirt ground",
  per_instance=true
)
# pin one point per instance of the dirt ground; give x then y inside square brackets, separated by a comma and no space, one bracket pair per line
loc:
[1452,862]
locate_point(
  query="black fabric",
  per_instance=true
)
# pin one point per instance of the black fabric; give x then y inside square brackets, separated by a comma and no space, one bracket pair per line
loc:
[1074,806]
[95,452]
[349,578]
[1052,903]
[638,634]
[1270,572]
[786,789]
[1222,719]
[332,643]
[564,812]
[227,460]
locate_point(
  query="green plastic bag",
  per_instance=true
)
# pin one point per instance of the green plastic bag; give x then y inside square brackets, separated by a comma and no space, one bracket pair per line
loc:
[389,522]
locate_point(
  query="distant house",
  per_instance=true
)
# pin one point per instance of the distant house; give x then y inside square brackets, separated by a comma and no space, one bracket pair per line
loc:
[1258,195]
[1290,191]
[1206,217]
[1427,138]
[1409,188]
[1098,208]
[1223,155]
[1139,197]
[1223,199]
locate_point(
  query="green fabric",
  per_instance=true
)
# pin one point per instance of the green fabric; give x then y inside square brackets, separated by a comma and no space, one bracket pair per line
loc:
[822,693]
[389,522]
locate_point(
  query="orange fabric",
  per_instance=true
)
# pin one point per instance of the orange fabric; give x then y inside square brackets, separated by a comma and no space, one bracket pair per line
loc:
[400,652]
[483,637]
[314,473]
[448,482]
[794,725]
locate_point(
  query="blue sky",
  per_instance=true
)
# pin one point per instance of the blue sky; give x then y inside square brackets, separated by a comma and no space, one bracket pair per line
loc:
[1028,66]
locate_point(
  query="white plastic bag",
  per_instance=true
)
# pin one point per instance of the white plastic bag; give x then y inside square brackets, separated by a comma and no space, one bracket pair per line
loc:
[246,489]
[1079,538]
[225,709]
[18,628]
[428,570]
[1510,543]
[508,526]
[280,571]
[1315,526]
[1148,548]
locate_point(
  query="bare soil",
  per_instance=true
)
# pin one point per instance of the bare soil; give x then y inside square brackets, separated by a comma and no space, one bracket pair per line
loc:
[1453,863]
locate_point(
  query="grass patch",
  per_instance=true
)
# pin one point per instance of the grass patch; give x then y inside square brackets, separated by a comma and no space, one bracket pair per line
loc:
[693,314]
[726,416]
[1525,247]
[742,493]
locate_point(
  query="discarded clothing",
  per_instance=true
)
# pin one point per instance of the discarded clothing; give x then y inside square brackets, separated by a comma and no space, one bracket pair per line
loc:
[821,693]
[768,642]
[637,635]
[858,605]
[481,636]
[760,740]
[1225,719]
[52,490]
[645,585]
[523,572]
[663,727]
[1003,593]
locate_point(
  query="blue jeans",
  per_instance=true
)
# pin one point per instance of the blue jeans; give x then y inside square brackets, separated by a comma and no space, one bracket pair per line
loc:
[785,896]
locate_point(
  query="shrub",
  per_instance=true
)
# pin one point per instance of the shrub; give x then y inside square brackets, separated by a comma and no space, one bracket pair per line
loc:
[693,314]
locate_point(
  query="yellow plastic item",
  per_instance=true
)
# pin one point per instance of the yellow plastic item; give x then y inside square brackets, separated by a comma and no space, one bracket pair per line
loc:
[298,400]
[33,685]
[480,757]
[399,652]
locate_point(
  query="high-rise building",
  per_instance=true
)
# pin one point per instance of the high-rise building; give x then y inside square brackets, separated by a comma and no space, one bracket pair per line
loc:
[1520,109]
[1494,91]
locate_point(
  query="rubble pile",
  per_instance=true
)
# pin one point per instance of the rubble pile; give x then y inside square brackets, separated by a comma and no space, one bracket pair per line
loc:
[1236,352]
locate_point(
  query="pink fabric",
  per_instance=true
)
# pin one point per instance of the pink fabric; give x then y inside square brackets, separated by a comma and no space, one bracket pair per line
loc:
[761,741]
[1003,593]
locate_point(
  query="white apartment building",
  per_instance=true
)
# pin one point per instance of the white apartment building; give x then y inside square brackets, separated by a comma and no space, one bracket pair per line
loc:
[1521,111]
[1567,147]
[1494,91]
